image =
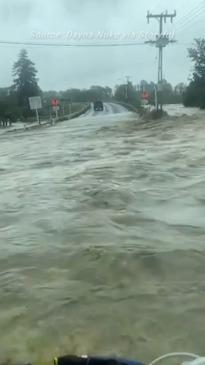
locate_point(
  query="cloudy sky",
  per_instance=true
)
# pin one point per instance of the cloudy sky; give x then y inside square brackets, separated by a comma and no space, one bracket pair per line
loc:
[97,21]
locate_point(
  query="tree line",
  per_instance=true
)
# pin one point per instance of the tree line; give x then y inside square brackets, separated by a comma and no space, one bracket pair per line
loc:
[14,102]
[131,94]
[192,95]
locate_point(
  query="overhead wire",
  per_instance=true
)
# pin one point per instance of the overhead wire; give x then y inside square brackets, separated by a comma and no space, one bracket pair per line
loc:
[191,17]
[80,45]
[77,45]
[190,12]
[196,13]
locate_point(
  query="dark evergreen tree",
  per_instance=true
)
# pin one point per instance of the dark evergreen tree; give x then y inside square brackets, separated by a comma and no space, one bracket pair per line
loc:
[25,80]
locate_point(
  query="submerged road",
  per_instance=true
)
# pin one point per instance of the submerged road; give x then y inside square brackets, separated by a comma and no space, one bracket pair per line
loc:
[109,108]
[102,231]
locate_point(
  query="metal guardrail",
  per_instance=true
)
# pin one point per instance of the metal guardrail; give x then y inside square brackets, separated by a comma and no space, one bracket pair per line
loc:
[127,106]
[74,115]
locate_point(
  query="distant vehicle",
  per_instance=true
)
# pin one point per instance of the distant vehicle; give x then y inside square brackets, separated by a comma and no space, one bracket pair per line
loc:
[98,106]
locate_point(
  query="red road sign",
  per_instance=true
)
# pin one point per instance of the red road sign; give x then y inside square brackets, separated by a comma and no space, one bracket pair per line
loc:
[55,102]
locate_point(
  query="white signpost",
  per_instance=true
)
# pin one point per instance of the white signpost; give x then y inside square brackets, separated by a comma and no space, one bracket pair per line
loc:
[35,104]
[56,109]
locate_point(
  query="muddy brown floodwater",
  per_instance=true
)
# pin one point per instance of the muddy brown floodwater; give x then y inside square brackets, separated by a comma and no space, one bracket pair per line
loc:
[102,237]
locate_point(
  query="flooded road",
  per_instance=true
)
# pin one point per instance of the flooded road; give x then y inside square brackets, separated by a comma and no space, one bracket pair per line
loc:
[102,236]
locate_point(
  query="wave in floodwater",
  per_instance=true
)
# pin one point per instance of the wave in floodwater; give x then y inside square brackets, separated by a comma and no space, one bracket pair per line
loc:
[102,235]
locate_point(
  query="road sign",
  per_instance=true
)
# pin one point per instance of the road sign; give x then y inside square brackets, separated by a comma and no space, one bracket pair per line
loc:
[145,95]
[56,108]
[35,102]
[55,102]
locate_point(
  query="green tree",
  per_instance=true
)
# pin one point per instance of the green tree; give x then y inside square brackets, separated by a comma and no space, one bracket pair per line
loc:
[97,92]
[195,93]
[25,80]
[8,104]
[127,93]
[180,89]
[169,95]
[88,95]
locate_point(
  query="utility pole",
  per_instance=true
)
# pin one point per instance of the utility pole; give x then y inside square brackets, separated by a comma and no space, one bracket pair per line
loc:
[127,85]
[161,42]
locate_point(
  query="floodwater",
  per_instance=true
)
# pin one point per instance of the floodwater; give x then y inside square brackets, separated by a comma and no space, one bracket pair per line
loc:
[102,237]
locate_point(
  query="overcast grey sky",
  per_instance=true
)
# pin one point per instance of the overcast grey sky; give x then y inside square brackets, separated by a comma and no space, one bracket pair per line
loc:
[66,20]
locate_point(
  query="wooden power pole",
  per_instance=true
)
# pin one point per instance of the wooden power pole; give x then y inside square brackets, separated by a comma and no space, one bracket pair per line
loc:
[161,42]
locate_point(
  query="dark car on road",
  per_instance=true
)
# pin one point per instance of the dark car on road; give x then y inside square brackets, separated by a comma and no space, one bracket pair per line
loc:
[98,106]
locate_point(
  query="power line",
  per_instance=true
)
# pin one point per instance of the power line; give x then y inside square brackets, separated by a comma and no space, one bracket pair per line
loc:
[192,13]
[191,21]
[89,45]
[190,18]
[182,6]
[185,25]
[43,44]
